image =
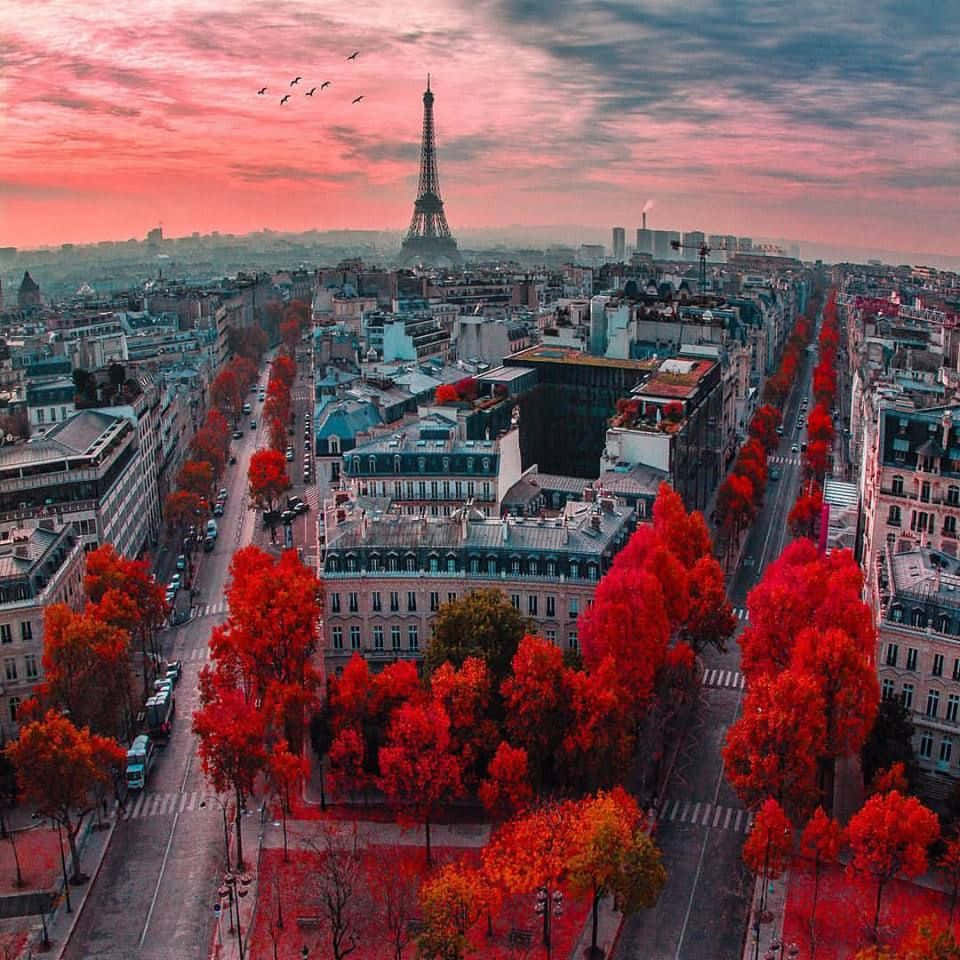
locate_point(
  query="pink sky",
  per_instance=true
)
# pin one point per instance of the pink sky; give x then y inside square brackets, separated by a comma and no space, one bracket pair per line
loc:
[117,117]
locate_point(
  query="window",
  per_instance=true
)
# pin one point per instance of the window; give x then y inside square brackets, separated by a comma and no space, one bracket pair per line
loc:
[374,562]
[354,638]
[572,640]
[950,526]
[354,606]
[888,688]
[337,634]
[372,464]
[911,658]
[434,601]
[392,564]
[551,606]
[592,571]
[891,658]
[574,570]
[411,563]
[894,517]
[411,601]
[953,706]
[334,602]
[394,601]
[30,664]
[515,565]
[937,670]
[451,564]
[515,600]
[956,668]
[412,639]
[552,637]
[906,695]
[573,608]
[926,746]
[376,603]
[897,486]
[451,597]
[378,637]
[26,630]
[395,637]
[491,565]
[14,708]
[474,564]
[933,702]
[925,491]
[551,568]
[10,668]
[5,634]
[434,564]
[953,496]
[946,749]
[532,605]
[351,562]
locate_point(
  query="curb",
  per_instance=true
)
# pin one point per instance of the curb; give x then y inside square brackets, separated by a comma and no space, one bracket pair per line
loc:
[86,892]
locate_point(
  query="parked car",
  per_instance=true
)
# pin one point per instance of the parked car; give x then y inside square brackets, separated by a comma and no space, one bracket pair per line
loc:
[301,507]
[181,562]
[218,509]
[175,581]
[208,544]
[289,454]
[237,434]
[222,495]
[774,475]
[233,459]
[174,669]
[794,449]
[253,424]
[287,516]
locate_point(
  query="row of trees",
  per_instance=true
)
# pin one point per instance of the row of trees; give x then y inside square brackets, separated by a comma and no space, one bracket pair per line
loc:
[230,387]
[261,683]
[67,754]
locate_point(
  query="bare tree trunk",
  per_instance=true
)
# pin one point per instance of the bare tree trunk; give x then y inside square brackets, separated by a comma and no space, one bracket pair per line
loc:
[238,820]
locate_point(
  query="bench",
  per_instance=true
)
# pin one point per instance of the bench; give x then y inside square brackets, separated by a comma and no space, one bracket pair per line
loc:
[310,923]
[520,938]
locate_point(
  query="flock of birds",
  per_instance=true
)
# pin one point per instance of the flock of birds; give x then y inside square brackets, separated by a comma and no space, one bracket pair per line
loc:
[309,93]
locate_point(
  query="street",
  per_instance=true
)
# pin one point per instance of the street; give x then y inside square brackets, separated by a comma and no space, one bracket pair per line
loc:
[153,898]
[701,826]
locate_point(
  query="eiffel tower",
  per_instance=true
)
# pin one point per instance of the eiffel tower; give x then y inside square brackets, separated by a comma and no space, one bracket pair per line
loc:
[429,239]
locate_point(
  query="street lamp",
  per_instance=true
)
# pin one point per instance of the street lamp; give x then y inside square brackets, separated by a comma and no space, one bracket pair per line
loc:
[226,832]
[548,904]
[234,888]
[63,862]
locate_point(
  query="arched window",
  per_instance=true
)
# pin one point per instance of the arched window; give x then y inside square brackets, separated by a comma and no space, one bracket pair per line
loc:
[918,617]
[396,463]
[897,486]
[372,464]
[896,613]
[333,444]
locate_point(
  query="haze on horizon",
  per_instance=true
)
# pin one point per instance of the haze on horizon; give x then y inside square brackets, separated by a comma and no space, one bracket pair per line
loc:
[837,123]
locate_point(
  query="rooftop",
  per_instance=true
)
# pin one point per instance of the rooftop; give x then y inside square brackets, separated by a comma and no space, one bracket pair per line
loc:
[548,353]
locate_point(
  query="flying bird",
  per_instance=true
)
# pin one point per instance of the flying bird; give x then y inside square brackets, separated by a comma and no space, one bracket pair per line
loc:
[357,99]
[262,91]
[311,91]
[295,80]
[326,83]
[354,55]
[284,99]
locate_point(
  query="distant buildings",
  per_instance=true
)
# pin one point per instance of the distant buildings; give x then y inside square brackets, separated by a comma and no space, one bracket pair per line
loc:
[619,243]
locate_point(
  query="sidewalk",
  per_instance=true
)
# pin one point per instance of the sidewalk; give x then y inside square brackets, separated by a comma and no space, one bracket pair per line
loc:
[764,933]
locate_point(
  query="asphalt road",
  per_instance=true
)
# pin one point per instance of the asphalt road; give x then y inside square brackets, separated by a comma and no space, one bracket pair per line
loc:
[702,912]
[153,898]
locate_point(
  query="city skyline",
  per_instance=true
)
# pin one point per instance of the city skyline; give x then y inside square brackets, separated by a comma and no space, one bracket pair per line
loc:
[772,124]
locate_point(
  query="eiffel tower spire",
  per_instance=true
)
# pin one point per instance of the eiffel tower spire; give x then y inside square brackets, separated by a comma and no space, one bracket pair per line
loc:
[428,239]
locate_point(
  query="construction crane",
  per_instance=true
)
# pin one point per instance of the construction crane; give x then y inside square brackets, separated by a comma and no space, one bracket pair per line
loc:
[703,251]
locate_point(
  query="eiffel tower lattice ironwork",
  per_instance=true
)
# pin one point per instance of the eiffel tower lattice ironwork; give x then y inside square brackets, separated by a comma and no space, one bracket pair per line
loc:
[429,239]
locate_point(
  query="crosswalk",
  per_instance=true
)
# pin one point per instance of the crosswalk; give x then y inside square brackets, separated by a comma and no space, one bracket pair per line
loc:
[197,654]
[724,679]
[149,804]
[208,609]
[781,458]
[706,815]
[741,613]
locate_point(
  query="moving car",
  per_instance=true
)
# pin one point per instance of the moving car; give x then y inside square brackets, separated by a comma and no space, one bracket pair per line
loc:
[237,434]
[181,562]
[218,509]
[233,459]
[253,424]
[774,475]
[794,449]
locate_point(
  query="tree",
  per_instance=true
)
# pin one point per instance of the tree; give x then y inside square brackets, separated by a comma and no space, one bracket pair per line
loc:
[86,665]
[772,748]
[268,478]
[225,393]
[290,334]
[452,901]
[888,836]
[196,477]
[397,883]
[182,509]
[418,770]
[337,885]
[506,788]
[817,457]
[628,621]
[709,619]
[820,425]
[483,624]
[231,733]
[767,849]
[930,939]
[686,533]
[537,704]
[820,842]
[284,370]
[613,854]
[284,771]
[347,759]
[58,769]
[278,436]
[763,426]
[805,514]
[735,505]
[890,741]
[949,865]
[445,394]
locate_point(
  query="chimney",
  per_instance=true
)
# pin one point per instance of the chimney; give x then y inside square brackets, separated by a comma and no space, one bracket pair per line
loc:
[505,530]
[607,504]
[644,215]
[595,521]
[588,494]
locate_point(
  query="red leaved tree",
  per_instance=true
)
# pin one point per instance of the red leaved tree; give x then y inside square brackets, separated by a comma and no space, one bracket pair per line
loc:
[182,510]
[821,842]
[772,748]
[685,533]
[268,479]
[60,768]
[445,394]
[805,514]
[506,789]
[763,426]
[888,836]
[225,393]
[418,770]
[196,477]
[767,849]
[949,865]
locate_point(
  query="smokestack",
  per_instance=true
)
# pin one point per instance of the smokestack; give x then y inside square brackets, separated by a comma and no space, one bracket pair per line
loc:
[644,215]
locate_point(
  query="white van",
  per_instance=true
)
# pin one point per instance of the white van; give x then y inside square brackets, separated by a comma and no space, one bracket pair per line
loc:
[212,528]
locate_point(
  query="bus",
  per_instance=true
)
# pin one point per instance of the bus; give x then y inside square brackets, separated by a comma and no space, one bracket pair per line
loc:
[140,759]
